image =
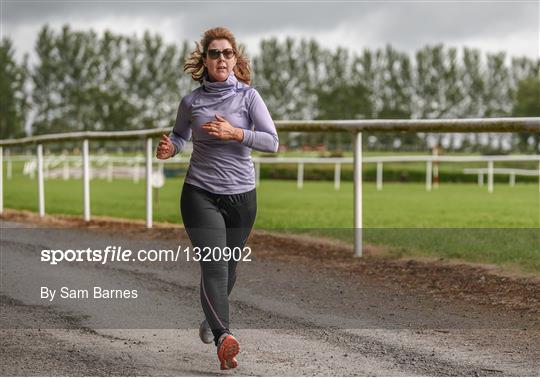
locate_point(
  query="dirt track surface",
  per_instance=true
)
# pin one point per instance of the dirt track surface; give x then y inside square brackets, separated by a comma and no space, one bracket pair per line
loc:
[301,307]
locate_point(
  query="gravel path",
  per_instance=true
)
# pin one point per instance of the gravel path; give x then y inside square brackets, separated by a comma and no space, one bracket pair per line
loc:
[293,312]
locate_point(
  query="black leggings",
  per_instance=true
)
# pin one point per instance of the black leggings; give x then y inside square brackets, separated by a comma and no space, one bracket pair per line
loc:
[217,220]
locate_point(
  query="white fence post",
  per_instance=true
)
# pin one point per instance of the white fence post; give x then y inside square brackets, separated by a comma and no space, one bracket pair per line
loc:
[148,182]
[429,174]
[480,179]
[337,176]
[490,176]
[300,176]
[41,193]
[512,179]
[379,175]
[86,181]
[358,195]
[1,180]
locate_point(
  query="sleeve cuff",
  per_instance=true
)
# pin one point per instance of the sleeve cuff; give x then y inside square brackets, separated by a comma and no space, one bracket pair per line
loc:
[177,142]
[248,137]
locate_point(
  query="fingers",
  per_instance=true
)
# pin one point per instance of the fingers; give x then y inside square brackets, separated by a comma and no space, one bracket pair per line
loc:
[165,141]
[220,129]
[211,128]
[163,152]
[163,155]
[164,148]
[210,124]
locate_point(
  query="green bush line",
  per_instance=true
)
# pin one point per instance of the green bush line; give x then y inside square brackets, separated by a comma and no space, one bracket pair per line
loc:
[390,174]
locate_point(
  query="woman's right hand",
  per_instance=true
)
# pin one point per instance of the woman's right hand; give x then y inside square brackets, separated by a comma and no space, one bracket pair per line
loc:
[165,148]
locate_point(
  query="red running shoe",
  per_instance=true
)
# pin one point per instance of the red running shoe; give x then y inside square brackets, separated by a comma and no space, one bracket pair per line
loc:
[227,349]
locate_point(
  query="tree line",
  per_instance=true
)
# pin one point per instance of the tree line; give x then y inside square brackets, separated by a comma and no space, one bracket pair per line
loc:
[85,81]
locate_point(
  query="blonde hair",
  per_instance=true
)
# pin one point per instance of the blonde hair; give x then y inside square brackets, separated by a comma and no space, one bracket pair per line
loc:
[195,66]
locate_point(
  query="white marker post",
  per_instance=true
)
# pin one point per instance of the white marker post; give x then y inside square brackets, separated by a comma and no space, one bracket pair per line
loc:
[41,192]
[429,174]
[358,195]
[86,181]
[337,176]
[379,175]
[148,182]
[300,176]
[490,176]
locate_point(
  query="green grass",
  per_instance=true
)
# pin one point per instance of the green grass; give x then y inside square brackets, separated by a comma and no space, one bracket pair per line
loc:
[455,221]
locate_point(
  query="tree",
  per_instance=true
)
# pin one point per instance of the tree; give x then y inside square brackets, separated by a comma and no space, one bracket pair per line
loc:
[83,81]
[46,87]
[528,105]
[13,95]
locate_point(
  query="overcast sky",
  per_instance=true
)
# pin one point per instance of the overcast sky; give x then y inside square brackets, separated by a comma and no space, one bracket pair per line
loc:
[493,26]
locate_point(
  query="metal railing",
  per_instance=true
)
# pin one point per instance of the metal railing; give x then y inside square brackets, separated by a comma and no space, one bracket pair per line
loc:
[130,166]
[511,172]
[380,160]
[353,126]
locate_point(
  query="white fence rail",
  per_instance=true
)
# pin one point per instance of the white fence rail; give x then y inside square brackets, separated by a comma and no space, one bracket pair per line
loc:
[353,126]
[511,172]
[133,167]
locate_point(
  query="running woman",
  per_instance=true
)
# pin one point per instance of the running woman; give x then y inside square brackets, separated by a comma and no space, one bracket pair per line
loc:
[225,118]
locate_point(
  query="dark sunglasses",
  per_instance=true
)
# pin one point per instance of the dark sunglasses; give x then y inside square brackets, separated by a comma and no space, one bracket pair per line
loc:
[215,53]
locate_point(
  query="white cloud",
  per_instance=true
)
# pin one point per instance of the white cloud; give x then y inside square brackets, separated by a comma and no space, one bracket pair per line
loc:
[408,26]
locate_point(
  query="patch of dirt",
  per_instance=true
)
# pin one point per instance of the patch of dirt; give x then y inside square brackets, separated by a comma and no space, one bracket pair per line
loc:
[51,355]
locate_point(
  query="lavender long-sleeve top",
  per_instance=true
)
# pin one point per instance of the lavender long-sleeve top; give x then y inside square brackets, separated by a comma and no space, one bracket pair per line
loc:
[219,166]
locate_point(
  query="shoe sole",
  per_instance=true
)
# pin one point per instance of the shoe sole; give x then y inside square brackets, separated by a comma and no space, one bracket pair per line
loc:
[227,352]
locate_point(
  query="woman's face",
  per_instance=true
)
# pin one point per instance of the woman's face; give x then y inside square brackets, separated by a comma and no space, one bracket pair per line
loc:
[219,68]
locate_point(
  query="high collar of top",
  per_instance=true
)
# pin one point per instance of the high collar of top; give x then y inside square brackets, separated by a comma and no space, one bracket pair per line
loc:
[220,86]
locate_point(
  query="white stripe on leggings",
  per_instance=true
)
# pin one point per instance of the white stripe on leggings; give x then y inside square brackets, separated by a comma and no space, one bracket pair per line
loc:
[210,304]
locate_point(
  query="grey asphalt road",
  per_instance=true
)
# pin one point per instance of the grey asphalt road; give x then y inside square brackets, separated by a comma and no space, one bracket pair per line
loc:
[291,319]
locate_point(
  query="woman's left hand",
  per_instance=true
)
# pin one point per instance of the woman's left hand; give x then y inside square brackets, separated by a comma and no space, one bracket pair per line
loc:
[222,129]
